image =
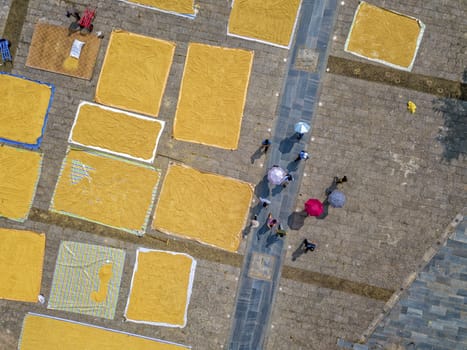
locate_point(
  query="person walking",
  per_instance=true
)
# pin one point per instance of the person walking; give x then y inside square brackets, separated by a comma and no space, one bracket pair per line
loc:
[264,202]
[301,128]
[280,231]
[307,245]
[286,180]
[334,186]
[271,222]
[303,155]
[265,145]
[341,180]
[255,222]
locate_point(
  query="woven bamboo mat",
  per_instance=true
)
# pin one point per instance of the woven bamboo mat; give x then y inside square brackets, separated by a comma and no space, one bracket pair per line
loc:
[50,51]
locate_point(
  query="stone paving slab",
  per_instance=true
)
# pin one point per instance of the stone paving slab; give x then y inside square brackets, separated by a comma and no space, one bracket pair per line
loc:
[255,297]
[264,84]
[431,313]
[442,52]
[4,9]
[401,191]
[387,224]
[311,318]
[208,313]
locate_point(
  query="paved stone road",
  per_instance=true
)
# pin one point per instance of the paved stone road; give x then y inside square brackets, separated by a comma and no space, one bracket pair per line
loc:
[431,313]
[265,256]
[403,188]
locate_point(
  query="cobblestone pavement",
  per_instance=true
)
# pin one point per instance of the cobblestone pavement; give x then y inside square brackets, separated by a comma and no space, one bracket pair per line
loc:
[430,314]
[4,7]
[402,192]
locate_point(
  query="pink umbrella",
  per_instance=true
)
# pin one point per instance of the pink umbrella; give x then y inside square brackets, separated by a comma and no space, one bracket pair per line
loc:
[314,207]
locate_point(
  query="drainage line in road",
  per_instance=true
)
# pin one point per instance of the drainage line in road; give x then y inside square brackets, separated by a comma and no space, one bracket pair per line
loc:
[199,251]
[335,283]
[390,76]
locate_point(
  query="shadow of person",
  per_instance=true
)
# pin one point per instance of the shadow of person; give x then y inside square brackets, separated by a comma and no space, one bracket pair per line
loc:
[292,166]
[276,190]
[452,134]
[262,188]
[331,188]
[296,220]
[272,238]
[286,145]
[249,228]
[325,210]
[262,230]
[298,252]
[256,155]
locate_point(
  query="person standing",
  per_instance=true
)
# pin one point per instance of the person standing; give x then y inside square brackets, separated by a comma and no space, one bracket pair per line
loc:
[271,222]
[341,180]
[264,202]
[286,180]
[265,145]
[280,231]
[255,222]
[307,245]
[335,182]
[303,155]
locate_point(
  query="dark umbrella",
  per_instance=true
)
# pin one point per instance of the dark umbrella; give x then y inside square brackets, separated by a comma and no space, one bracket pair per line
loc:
[314,207]
[336,199]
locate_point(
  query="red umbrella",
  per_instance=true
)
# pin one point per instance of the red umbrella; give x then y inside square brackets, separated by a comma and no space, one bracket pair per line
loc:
[314,207]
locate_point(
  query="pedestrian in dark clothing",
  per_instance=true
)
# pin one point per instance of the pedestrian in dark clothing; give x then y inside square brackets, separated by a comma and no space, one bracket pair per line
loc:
[300,135]
[265,145]
[303,155]
[336,181]
[264,201]
[307,245]
[286,180]
[341,180]
[281,232]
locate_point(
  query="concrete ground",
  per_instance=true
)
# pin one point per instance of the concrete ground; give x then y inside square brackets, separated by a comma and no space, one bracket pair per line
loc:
[407,176]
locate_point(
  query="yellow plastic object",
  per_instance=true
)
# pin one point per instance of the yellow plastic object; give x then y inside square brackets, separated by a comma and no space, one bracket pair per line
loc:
[180,6]
[412,107]
[160,288]
[265,21]
[48,333]
[19,174]
[212,96]
[23,106]
[21,259]
[118,132]
[134,72]
[209,208]
[384,36]
[105,190]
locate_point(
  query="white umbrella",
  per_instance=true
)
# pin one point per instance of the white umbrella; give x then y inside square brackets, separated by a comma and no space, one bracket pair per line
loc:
[301,128]
[276,175]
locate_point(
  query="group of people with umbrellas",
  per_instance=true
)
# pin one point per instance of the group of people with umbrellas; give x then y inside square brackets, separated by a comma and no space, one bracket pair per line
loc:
[334,197]
[313,206]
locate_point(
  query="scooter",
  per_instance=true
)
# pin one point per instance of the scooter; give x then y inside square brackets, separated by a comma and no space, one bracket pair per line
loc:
[81,24]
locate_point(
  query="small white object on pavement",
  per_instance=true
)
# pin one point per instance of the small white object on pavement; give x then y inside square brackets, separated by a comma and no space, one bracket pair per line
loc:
[41,298]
